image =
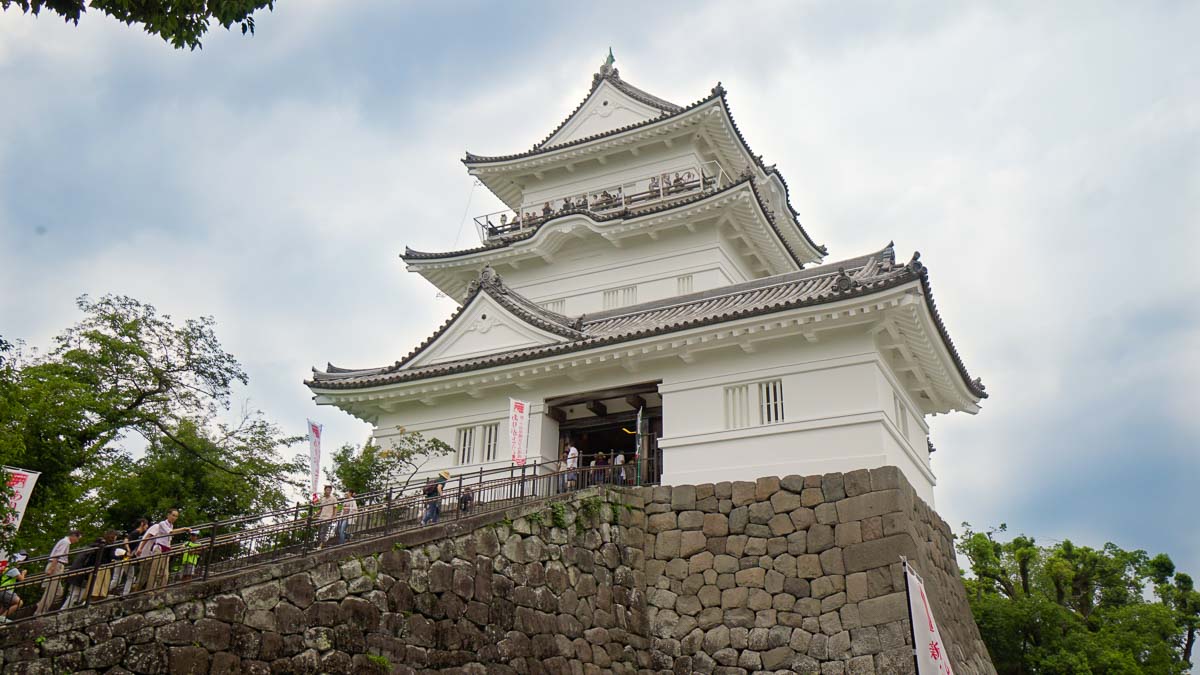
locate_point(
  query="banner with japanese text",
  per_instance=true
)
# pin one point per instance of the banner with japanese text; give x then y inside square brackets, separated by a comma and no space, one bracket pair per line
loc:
[518,429]
[314,453]
[21,482]
[932,656]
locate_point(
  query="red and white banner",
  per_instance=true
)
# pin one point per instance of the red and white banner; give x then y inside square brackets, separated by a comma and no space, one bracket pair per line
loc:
[314,452]
[518,429]
[932,656]
[21,482]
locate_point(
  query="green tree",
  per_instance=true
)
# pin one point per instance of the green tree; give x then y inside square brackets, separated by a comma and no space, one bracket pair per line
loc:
[250,480]
[1068,609]
[124,370]
[372,467]
[182,24]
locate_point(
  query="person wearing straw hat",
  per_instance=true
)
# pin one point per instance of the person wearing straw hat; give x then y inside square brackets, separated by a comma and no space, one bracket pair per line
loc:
[433,498]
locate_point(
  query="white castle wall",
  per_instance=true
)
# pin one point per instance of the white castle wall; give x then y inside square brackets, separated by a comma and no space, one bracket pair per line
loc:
[839,401]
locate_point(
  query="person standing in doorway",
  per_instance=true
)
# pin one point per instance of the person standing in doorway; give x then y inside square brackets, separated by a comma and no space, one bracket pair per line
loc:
[54,569]
[156,544]
[619,466]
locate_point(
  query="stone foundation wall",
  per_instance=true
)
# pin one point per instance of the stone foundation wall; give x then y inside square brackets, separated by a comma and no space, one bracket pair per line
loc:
[799,574]
[545,588]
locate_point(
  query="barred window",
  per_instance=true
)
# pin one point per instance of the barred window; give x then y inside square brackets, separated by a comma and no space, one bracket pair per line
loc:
[737,406]
[466,445]
[556,306]
[620,297]
[491,436]
[683,284]
[770,402]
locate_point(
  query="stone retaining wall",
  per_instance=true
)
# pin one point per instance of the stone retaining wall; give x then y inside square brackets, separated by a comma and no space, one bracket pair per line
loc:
[799,574]
[787,575]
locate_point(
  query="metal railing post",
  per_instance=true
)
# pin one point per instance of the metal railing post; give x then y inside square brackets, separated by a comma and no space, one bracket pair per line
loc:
[208,553]
[88,585]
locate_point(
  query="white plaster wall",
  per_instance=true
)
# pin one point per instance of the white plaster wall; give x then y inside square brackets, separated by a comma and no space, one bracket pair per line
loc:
[582,273]
[837,400]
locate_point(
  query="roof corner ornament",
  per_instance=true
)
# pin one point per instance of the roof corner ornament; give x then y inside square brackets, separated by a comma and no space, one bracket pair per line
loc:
[844,283]
[978,384]
[718,90]
[487,277]
[915,265]
[607,69]
[577,324]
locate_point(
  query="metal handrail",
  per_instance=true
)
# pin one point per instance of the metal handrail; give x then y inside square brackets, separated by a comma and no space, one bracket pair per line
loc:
[635,193]
[95,571]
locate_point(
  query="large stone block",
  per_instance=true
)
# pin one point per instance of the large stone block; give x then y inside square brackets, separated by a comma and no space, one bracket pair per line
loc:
[884,609]
[868,505]
[743,493]
[683,498]
[878,553]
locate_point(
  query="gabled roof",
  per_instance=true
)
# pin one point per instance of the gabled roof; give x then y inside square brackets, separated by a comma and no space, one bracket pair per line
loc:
[612,76]
[834,282]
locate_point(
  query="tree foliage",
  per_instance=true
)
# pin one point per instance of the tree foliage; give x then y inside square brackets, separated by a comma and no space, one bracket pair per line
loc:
[1068,609]
[126,372]
[373,467]
[182,24]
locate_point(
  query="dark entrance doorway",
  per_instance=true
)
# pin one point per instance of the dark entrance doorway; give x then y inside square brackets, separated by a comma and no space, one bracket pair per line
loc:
[603,423]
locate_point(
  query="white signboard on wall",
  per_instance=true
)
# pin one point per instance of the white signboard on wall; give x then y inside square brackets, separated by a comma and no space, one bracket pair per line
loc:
[932,656]
[518,429]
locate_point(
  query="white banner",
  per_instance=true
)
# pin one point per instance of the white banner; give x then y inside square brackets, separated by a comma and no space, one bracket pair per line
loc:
[314,453]
[518,429]
[21,481]
[932,657]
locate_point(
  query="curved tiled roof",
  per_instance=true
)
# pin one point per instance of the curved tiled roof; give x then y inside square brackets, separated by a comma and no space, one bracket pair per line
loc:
[828,283]
[504,242]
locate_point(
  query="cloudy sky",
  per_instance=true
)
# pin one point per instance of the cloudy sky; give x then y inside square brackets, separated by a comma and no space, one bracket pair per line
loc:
[1043,157]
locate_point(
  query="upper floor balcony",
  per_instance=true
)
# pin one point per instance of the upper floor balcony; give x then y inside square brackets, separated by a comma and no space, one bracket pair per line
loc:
[631,195]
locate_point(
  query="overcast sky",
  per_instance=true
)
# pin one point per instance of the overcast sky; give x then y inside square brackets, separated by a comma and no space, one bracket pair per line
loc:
[1043,157]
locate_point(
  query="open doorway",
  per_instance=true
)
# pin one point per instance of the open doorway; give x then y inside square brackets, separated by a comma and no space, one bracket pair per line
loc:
[604,423]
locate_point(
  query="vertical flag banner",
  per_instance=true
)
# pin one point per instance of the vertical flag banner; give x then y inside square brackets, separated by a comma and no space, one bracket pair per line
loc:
[931,653]
[314,452]
[21,481]
[518,429]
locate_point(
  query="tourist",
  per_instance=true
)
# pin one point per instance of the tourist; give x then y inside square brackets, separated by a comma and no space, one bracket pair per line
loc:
[433,497]
[349,511]
[327,509]
[572,465]
[128,567]
[84,568]
[10,602]
[466,500]
[54,569]
[191,556]
[619,466]
[602,471]
[156,544]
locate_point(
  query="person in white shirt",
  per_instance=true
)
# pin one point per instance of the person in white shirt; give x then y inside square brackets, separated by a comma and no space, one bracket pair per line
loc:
[156,543]
[54,569]
[327,509]
[619,466]
[572,465]
[349,512]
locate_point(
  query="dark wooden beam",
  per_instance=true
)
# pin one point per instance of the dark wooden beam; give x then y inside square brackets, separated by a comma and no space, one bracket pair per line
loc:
[603,394]
[635,401]
[598,409]
[556,414]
